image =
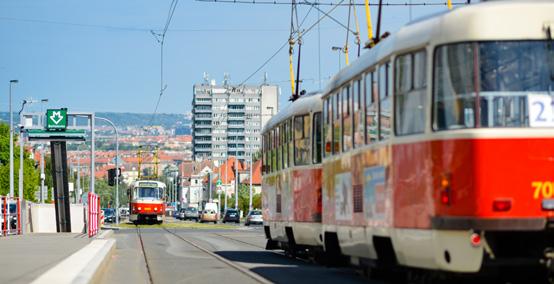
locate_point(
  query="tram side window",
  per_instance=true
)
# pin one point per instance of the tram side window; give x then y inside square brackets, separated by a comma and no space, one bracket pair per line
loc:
[346,119]
[284,146]
[327,126]
[272,138]
[302,140]
[358,113]
[336,123]
[290,142]
[410,86]
[278,148]
[264,153]
[385,102]
[371,107]
[316,141]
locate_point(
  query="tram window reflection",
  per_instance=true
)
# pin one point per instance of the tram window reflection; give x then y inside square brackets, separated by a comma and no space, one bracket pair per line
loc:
[385,102]
[372,111]
[410,92]
[486,84]
[149,192]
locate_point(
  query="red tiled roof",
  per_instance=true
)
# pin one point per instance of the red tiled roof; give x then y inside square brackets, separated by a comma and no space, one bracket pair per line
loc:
[256,173]
[228,170]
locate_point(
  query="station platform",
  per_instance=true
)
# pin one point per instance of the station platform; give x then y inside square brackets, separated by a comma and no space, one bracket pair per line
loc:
[45,257]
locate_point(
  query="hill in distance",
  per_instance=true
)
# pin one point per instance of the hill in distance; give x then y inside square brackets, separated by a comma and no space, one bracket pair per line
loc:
[124,119]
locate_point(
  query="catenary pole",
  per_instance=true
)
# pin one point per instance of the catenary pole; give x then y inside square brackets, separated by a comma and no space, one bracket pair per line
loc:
[116,166]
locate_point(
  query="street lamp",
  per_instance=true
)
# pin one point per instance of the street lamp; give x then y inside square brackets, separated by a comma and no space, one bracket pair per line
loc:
[21,127]
[116,167]
[340,50]
[11,139]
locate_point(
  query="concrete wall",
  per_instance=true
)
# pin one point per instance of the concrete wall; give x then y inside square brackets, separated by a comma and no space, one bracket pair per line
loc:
[43,218]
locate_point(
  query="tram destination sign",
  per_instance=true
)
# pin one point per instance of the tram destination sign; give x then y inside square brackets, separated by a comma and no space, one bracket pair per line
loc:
[56,119]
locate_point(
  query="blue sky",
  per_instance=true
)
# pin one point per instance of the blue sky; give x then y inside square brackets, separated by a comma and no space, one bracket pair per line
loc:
[100,56]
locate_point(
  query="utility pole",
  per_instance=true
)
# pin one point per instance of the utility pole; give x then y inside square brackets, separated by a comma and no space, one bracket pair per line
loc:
[236,183]
[210,187]
[251,166]
[226,177]
[78,186]
[42,176]
[116,165]
[11,140]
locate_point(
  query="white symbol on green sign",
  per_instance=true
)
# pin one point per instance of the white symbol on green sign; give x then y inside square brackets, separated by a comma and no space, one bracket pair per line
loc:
[56,119]
[218,183]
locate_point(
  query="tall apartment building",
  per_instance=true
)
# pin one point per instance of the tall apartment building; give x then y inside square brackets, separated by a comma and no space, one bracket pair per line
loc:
[227,120]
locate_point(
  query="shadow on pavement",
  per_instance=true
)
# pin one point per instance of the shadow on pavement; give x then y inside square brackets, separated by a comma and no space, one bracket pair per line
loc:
[281,269]
[261,257]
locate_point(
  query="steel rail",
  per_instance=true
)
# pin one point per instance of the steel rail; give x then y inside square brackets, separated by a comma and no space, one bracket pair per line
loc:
[231,264]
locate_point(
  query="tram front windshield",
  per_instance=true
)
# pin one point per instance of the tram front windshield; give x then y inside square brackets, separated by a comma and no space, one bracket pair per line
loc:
[492,84]
[149,192]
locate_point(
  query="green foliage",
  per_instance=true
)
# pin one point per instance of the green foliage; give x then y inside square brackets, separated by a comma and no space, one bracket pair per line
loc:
[244,199]
[31,176]
[107,194]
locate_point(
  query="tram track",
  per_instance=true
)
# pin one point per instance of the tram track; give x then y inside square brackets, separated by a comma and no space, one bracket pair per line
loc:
[144,255]
[279,253]
[227,262]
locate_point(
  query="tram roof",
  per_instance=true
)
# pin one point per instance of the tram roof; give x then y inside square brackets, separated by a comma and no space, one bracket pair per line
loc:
[484,21]
[305,104]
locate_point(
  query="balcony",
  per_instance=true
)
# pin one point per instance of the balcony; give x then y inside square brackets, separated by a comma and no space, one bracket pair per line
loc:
[200,133]
[203,126]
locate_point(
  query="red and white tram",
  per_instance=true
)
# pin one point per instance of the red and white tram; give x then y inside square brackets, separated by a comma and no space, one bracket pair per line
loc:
[438,146]
[147,201]
[292,175]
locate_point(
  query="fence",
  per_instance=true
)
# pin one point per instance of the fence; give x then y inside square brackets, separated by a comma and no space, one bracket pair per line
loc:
[93,213]
[11,216]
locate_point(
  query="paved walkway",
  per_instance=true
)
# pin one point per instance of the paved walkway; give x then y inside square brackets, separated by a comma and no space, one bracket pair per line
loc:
[24,258]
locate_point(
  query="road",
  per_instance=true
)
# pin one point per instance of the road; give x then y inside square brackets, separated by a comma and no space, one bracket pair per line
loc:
[234,254]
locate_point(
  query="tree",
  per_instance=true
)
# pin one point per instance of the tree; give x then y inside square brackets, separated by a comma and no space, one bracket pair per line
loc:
[31,176]
[244,199]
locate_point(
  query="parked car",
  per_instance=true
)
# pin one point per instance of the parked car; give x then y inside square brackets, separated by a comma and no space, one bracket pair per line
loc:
[109,215]
[190,213]
[231,215]
[208,215]
[254,217]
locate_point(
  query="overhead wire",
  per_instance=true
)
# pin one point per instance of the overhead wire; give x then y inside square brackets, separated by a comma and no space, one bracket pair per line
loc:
[275,2]
[161,40]
[140,29]
[367,4]
[345,49]
[357,35]
[325,14]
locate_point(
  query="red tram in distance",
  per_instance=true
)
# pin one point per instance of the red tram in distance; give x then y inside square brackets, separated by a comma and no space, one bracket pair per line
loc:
[437,145]
[147,201]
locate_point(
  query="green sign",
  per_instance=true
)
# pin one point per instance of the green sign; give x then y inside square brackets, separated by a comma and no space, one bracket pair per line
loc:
[56,119]
[218,183]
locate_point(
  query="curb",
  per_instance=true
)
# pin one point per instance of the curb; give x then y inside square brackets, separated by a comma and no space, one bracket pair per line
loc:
[84,266]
